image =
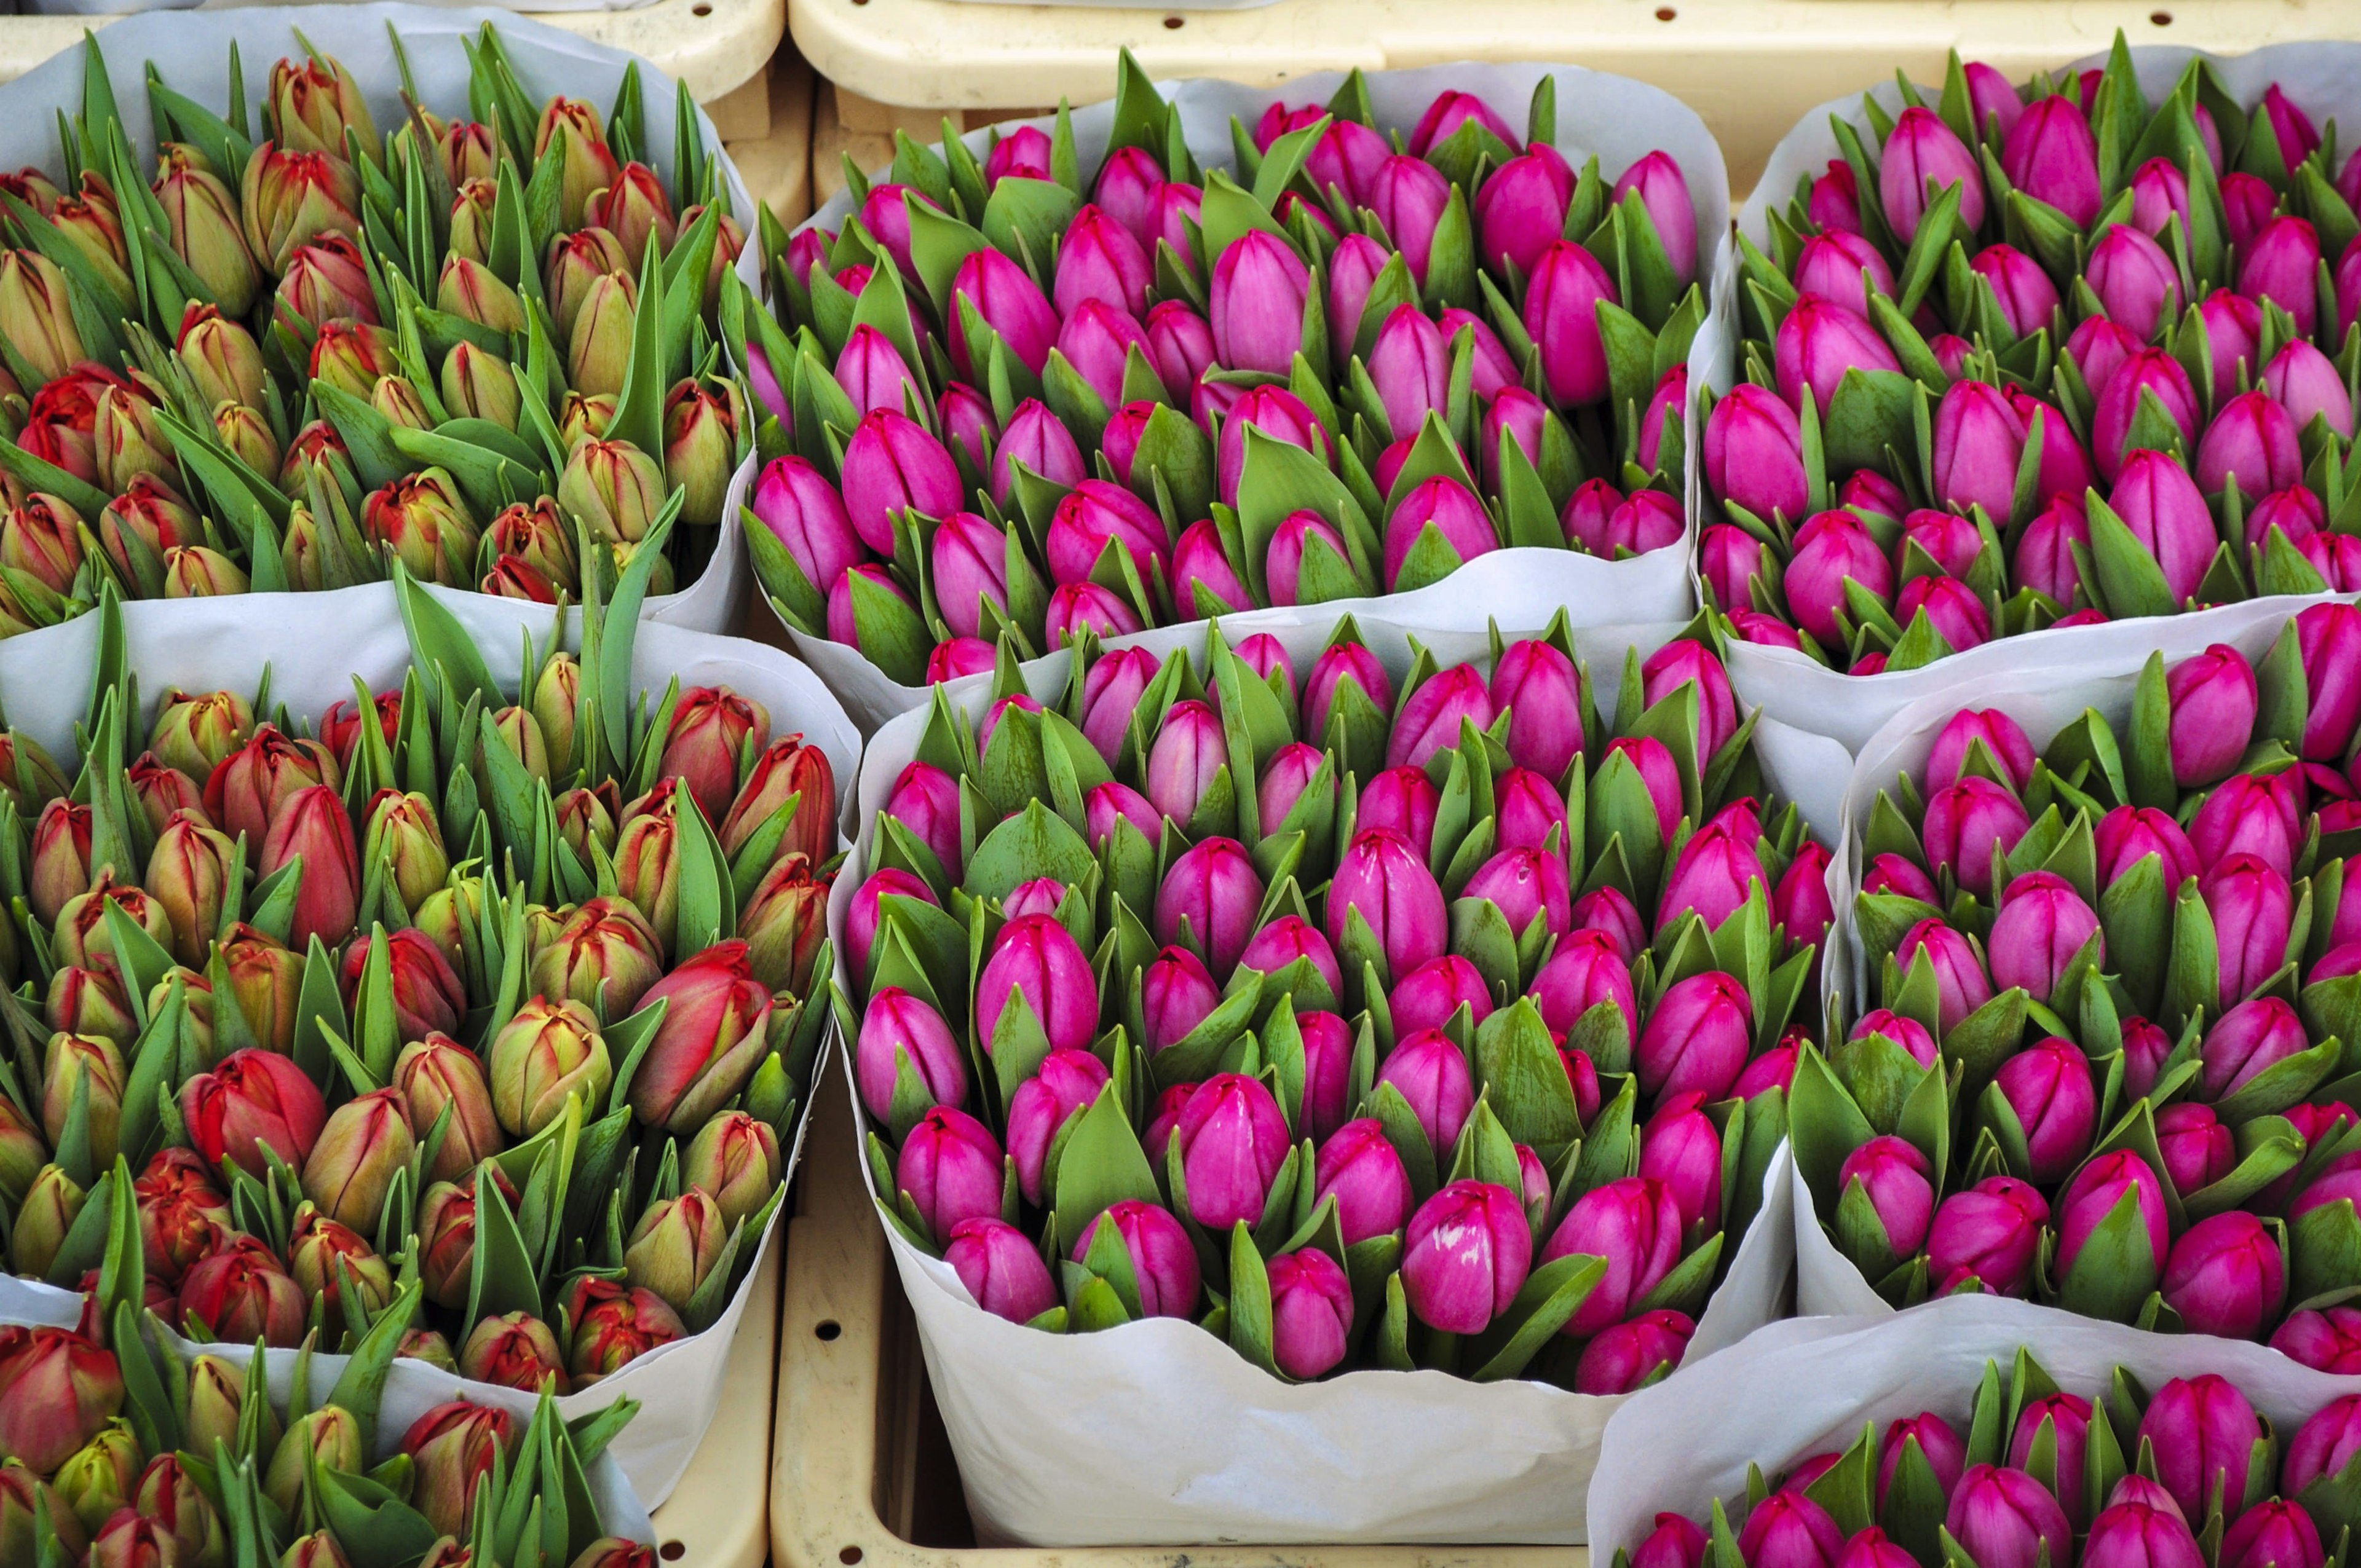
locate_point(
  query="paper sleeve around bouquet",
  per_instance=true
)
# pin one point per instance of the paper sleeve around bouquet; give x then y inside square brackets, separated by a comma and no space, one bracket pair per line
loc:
[1188,1440]
[312,653]
[1800,690]
[1616,119]
[192,53]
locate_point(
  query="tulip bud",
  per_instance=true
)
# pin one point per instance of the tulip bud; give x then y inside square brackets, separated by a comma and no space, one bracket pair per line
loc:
[1001,1269]
[2093,1194]
[2138,284]
[2005,1517]
[240,1294]
[1561,316]
[2279,265]
[1923,156]
[2205,1434]
[1466,1256]
[1163,1262]
[1818,343]
[1382,879]
[2146,372]
[2051,155]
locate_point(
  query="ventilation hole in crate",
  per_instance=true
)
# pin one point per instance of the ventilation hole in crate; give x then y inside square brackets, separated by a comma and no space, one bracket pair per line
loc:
[1172,24]
[828,1330]
[672,1550]
[1665,13]
[2161,18]
[848,1556]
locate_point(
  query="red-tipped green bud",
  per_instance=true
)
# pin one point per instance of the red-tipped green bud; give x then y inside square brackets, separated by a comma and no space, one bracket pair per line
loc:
[515,1350]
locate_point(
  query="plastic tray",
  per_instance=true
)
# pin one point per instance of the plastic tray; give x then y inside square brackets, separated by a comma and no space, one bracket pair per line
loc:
[861,1475]
[715,1518]
[1749,67]
[713,45]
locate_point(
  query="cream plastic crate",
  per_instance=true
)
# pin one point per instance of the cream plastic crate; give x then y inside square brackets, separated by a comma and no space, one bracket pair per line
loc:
[861,1475]
[714,46]
[1749,68]
[715,1518]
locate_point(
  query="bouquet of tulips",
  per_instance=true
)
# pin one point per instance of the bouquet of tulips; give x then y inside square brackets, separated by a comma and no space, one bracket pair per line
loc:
[2040,356]
[2110,1067]
[288,361]
[1448,1108]
[120,1454]
[511,992]
[2028,1471]
[1025,396]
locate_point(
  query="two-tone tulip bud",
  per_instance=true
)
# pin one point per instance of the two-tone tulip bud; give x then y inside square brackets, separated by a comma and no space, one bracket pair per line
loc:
[712,1038]
[514,1350]
[364,1142]
[702,428]
[734,1159]
[251,1101]
[612,1326]
[241,1293]
[549,1052]
[438,1073]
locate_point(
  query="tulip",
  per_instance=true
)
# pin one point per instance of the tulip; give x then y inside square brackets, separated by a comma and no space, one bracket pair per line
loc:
[1409,196]
[1675,1542]
[2304,382]
[2324,1445]
[454,1446]
[1339,664]
[1163,1262]
[2252,907]
[2006,1519]
[1561,318]
[1893,1175]
[1209,897]
[2197,1149]
[1819,342]
[58,1391]
[1787,1529]
[1189,754]
[898,1028]
[1111,802]
[1466,1256]
[2226,1276]
[710,1041]
[1978,438]
[1844,270]
[1964,823]
[2148,371]
[2129,834]
[1288,940]
[324,1255]
[2273,1532]
[2051,155]
[2138,284]
[2279,265]
[2049,1087]
[1522,207]
[1067,1082]
[1258,288]
[1627,1357]
[241,1294]
[1715,874]
[2094,1192]
[2328,1341]
[1428,996]
[515,1350]
[1666,193]
[549,1052]
[1231,1139]
[2205,1434]
[350,1166]
[252,1100]
[1450,511]
[2253,443]
[1311,1313]
[1382,879]
[1410,364]
[1832,549]
[1360,1169]
[1939,1443]
[1001,1269]
[1099,258]
[1126,186]
[2067,1417]
[1036,957]
[2043,923]
[1430,1071]
[1922,158]
[2002,737]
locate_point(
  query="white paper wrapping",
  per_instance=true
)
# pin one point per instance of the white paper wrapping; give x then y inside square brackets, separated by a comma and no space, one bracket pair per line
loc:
[1806,1386]
[1620,120]
[191,53]
[411,1390]
[1155,1433]
[2044,698]
[2324,77]
[312,653]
